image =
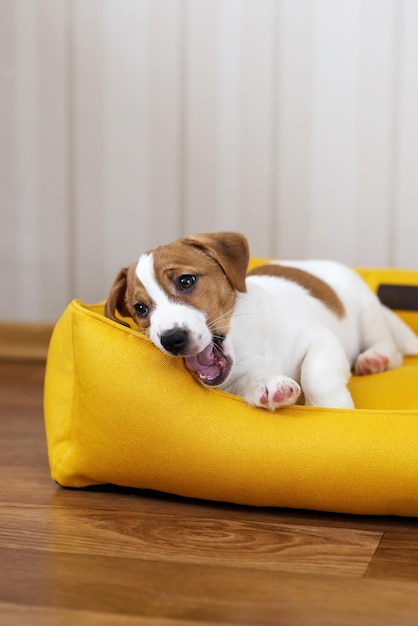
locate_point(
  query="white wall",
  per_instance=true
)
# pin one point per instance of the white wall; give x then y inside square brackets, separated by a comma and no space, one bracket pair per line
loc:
[127,123]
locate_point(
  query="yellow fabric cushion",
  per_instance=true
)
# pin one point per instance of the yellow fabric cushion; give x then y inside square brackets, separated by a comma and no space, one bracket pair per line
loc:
[119,411]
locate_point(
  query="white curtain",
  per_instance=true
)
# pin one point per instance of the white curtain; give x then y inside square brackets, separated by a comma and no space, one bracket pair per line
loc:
[128,123]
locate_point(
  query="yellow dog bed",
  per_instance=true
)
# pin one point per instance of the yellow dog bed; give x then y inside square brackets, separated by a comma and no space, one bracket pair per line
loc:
[119,411]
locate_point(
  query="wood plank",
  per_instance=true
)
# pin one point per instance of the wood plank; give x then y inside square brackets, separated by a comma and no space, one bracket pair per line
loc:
[396,557]
[17,374]
[24,341]
[171,590]
[16,615]
[188,540]
[153,502]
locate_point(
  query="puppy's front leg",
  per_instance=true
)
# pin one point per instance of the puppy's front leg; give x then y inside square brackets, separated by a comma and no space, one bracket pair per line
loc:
[269,392]
[325,373]
[276,392]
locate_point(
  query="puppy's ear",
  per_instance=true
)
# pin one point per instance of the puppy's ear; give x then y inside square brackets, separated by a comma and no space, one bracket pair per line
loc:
[230,250]
[116,299]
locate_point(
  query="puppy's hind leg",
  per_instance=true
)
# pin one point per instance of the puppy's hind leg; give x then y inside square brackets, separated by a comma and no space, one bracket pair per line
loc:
[324,374]
[379,351]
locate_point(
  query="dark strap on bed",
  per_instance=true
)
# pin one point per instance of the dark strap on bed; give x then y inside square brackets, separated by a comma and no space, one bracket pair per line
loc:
[400,297]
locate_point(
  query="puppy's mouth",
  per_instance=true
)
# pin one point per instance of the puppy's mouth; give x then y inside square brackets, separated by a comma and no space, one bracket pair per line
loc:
[212,365]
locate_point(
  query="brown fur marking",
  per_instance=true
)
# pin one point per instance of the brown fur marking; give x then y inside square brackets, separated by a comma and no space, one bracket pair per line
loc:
[316,287]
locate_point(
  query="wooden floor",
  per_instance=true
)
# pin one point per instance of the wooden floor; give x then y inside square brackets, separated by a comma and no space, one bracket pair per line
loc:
[110,557]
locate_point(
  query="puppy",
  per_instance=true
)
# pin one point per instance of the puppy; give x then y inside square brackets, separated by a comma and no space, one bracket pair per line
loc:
[283,328]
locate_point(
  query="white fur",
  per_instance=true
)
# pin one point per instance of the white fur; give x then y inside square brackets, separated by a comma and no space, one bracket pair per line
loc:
[297,336]
[283,339]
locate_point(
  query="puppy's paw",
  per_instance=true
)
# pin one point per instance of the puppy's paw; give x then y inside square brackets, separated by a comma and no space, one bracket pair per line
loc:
[371,362]
[277,392]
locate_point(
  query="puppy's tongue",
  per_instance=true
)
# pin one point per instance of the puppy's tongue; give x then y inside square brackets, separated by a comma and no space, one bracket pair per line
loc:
[206,358]
[204,364]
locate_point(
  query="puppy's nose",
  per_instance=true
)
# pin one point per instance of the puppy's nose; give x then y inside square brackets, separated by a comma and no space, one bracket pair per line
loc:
[175,340]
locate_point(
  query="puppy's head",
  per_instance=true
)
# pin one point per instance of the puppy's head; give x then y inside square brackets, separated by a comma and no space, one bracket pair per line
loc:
[182,296]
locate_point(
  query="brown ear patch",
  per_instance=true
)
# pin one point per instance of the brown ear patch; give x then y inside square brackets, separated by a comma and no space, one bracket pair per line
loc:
[317,288]
[117,300]
[230,250]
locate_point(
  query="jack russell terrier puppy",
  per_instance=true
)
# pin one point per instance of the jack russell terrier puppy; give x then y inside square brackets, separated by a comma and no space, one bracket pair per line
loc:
[283,328]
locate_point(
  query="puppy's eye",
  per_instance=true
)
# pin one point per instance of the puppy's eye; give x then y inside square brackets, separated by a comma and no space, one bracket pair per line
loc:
[141,309]
[186,281]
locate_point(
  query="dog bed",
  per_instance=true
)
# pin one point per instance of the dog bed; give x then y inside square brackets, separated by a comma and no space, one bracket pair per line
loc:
[119,411]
